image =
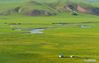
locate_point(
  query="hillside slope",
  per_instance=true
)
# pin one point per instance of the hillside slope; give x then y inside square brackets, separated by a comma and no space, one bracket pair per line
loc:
[48,7]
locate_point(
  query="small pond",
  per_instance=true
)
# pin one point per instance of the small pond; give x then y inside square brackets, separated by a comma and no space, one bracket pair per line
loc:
[37,31]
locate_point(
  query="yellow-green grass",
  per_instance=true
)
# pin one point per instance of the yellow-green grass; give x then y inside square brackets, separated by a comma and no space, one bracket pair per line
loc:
[70,39]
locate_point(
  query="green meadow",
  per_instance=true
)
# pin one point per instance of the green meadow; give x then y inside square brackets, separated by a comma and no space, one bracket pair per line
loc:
[68,38]
[42,38]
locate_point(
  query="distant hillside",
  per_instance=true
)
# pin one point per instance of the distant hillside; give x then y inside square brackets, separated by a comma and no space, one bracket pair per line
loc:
[48,7]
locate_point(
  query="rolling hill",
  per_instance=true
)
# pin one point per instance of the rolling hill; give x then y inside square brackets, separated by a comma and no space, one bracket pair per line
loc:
[48,7]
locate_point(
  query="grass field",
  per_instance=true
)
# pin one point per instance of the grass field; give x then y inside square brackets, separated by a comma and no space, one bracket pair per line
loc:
[41,39]
[64,35]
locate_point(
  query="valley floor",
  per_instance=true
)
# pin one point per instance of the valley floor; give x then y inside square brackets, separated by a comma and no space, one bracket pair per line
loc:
[42,39]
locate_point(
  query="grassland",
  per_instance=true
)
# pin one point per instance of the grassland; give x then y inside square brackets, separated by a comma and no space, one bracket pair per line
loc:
[64,34]
[70,39]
